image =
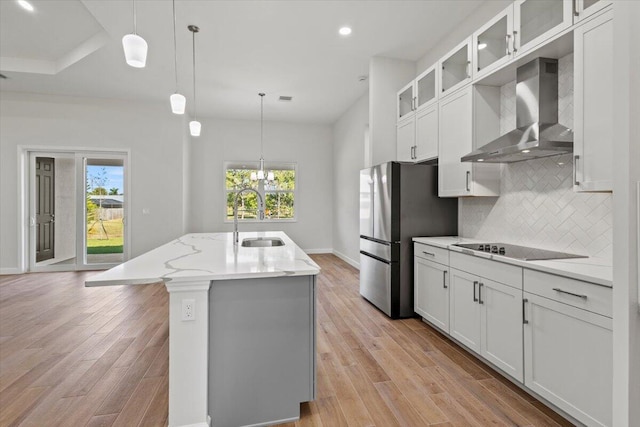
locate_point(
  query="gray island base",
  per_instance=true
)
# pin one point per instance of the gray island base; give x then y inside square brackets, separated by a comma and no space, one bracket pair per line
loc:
[242,337]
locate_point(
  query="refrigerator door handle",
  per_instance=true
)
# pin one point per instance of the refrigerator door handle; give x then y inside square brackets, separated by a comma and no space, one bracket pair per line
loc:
[377,258]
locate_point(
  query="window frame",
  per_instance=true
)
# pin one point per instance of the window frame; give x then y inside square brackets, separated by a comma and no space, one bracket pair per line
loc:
[254,165]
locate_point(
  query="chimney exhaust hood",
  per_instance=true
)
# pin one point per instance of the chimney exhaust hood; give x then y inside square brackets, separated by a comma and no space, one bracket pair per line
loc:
[538,133]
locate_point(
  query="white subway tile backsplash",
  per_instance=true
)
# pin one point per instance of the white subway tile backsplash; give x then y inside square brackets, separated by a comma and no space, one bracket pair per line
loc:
[537,205]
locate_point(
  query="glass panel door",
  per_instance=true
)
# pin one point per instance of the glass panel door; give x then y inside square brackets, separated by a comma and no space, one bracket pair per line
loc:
[492,44]
[405,101]
[426,87]
[104,236]
[456,68]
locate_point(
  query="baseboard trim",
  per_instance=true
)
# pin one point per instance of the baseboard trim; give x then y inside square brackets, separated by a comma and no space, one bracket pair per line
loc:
[318,251]
[346,259]
[7,271]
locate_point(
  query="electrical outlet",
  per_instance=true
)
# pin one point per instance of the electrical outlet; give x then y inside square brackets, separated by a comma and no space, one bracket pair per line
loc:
[188,309]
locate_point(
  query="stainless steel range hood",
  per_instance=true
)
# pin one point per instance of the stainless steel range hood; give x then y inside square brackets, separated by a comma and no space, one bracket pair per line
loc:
[538,133]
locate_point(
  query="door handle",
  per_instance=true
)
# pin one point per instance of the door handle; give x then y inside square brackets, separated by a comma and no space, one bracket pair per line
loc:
[507,38]
[53,219]
[468,69]
[480,285]
[475,298]
[524,311]
[575,170]
[515,49]
[444,279]
[570,293]
[468,176]
[575,8]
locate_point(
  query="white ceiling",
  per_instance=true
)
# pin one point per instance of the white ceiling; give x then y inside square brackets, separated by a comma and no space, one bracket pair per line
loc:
[288,47]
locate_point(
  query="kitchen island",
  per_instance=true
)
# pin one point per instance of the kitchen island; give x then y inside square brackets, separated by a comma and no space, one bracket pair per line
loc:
[241,327]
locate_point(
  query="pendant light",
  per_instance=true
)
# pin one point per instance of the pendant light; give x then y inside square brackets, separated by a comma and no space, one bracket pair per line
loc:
[261,171]
[135,47]
[178,101]
[194,125]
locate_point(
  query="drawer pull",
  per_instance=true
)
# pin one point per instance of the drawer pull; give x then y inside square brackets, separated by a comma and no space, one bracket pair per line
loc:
[524,311]
[475,298]
[444,279]
[428,253]
[570,293]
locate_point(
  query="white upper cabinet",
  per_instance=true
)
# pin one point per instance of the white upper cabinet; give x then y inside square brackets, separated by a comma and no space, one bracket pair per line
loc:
[493,44]
[455,68]
[585,8]
[593,106]
[417,128]
[537,20]
[406,101]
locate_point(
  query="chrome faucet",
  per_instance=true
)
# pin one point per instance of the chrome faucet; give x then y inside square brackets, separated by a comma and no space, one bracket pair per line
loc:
[235,211]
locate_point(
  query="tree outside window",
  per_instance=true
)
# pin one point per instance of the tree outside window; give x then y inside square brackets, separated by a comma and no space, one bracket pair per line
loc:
[278,195]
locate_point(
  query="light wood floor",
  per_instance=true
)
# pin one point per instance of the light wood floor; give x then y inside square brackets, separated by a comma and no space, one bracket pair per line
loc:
[76,356]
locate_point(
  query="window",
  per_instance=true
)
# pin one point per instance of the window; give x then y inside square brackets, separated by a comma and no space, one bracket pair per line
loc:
[278,195]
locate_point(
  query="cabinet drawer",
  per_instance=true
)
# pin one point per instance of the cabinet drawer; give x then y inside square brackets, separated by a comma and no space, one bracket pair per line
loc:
[585,295]
[432,253]
[494,270]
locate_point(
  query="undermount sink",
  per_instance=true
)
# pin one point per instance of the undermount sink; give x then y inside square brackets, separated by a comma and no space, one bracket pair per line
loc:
[262,242]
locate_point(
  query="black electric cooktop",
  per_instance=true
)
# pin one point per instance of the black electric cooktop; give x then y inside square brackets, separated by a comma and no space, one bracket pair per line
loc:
[518,252]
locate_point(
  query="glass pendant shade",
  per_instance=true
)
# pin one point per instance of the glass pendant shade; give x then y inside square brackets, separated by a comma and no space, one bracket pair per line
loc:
[194,127]
[178,103]
[135,50]
[260,174]
[270,176]
[254,177]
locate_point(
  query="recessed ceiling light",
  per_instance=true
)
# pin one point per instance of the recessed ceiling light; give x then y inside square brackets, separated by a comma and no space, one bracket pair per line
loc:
[481,46]
[26,5]
[481,160]
[345,31]
[526,151]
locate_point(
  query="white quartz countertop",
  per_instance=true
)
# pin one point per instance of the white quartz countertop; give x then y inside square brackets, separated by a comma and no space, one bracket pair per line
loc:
[210,256]
[594,270]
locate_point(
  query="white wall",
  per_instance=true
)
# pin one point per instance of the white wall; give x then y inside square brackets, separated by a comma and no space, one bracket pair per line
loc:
[386,77]
[348,159]
[478,18]
[626,146]
[149,130]
[310,146]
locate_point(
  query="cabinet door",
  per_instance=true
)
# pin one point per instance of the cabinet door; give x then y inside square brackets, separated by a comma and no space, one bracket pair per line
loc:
[593,92]
[455,68]
[569,358]
[538,20]
[406,101]
[431,292]
[426,145]
[406,140]
[455,139]
[465,309]
[501,326]
[426,88]
[492,44]
[585,8]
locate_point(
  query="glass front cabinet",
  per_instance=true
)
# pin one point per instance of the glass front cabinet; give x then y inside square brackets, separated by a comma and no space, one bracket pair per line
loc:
[455,68]
[537,20]
[493,43]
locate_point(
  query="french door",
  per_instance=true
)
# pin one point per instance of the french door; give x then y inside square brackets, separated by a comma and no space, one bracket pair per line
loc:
[78,207]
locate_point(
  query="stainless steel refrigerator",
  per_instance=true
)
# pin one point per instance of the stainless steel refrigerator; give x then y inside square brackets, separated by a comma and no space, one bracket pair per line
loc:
[398,201]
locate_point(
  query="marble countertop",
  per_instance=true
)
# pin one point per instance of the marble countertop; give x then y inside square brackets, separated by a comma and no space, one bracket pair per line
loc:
[210,256]
[594,270]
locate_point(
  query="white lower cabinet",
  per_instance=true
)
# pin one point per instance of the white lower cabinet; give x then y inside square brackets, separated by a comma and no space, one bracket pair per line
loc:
[486,316]
[431,292]
[569,355]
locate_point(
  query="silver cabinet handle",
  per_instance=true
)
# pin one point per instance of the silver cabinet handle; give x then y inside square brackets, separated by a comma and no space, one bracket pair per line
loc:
[575,8]
[562,291]
[524,311]
[428,253]
[468,176]
[475,298]
[413,151]
[506,40]
[575,170]
[444,279]
[480,293]
[468,69]
[515,49]
[53,219]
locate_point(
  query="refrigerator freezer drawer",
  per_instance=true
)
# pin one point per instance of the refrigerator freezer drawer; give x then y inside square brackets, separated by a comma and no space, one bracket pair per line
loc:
[385,250]
[375,282]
